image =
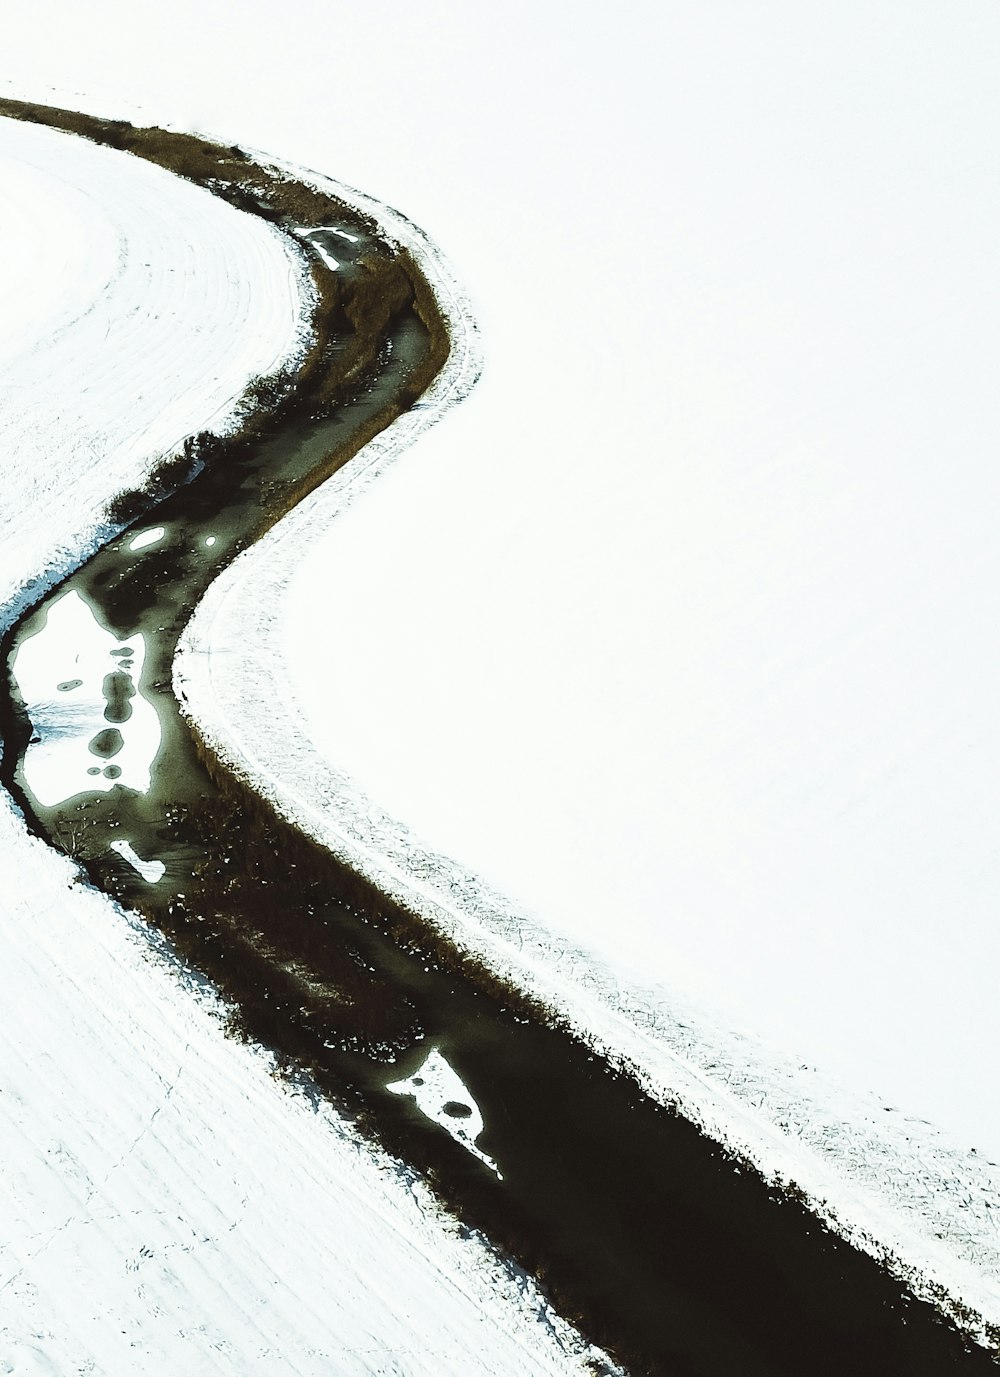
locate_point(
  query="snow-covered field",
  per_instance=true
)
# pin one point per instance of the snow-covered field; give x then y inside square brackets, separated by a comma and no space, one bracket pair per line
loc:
[679,632]
[166,1204]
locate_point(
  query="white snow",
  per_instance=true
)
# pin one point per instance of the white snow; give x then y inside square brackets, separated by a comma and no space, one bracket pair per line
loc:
[168,1205]
[148,321]
[151,871]
[327,258]
[324,254]
[679,630]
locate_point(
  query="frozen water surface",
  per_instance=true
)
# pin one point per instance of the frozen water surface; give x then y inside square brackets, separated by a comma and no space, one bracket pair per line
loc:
[442,1095]
[146,538]
[151,871]
[92,727]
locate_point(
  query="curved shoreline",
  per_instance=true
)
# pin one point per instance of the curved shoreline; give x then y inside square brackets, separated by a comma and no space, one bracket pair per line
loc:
[893,1187]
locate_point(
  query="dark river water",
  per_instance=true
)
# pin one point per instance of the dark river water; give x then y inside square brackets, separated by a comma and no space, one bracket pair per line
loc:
[647,1234]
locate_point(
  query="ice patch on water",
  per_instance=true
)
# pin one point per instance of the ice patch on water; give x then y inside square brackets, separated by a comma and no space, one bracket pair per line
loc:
[66,674]
[145,538]
[151,871]
[443,1097]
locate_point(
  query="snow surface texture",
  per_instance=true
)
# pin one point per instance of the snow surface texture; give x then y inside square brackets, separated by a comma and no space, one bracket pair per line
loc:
[888,1180]
[167,1205]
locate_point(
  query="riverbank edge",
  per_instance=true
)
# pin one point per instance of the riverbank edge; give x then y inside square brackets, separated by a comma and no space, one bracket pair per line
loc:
[893,1187]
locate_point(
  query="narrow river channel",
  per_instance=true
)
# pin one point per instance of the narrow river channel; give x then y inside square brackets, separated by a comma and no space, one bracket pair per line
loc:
[644,1232]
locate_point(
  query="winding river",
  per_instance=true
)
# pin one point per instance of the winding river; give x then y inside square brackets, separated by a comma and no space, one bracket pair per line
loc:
[646,1234]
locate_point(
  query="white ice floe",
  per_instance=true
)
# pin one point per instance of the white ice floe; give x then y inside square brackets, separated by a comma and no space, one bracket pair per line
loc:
[310,235]
[146,538]
[151,871]
[442,1095]
[64,674]
[168,1204]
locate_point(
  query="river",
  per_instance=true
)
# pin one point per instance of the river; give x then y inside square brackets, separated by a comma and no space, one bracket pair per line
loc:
[666,1251]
